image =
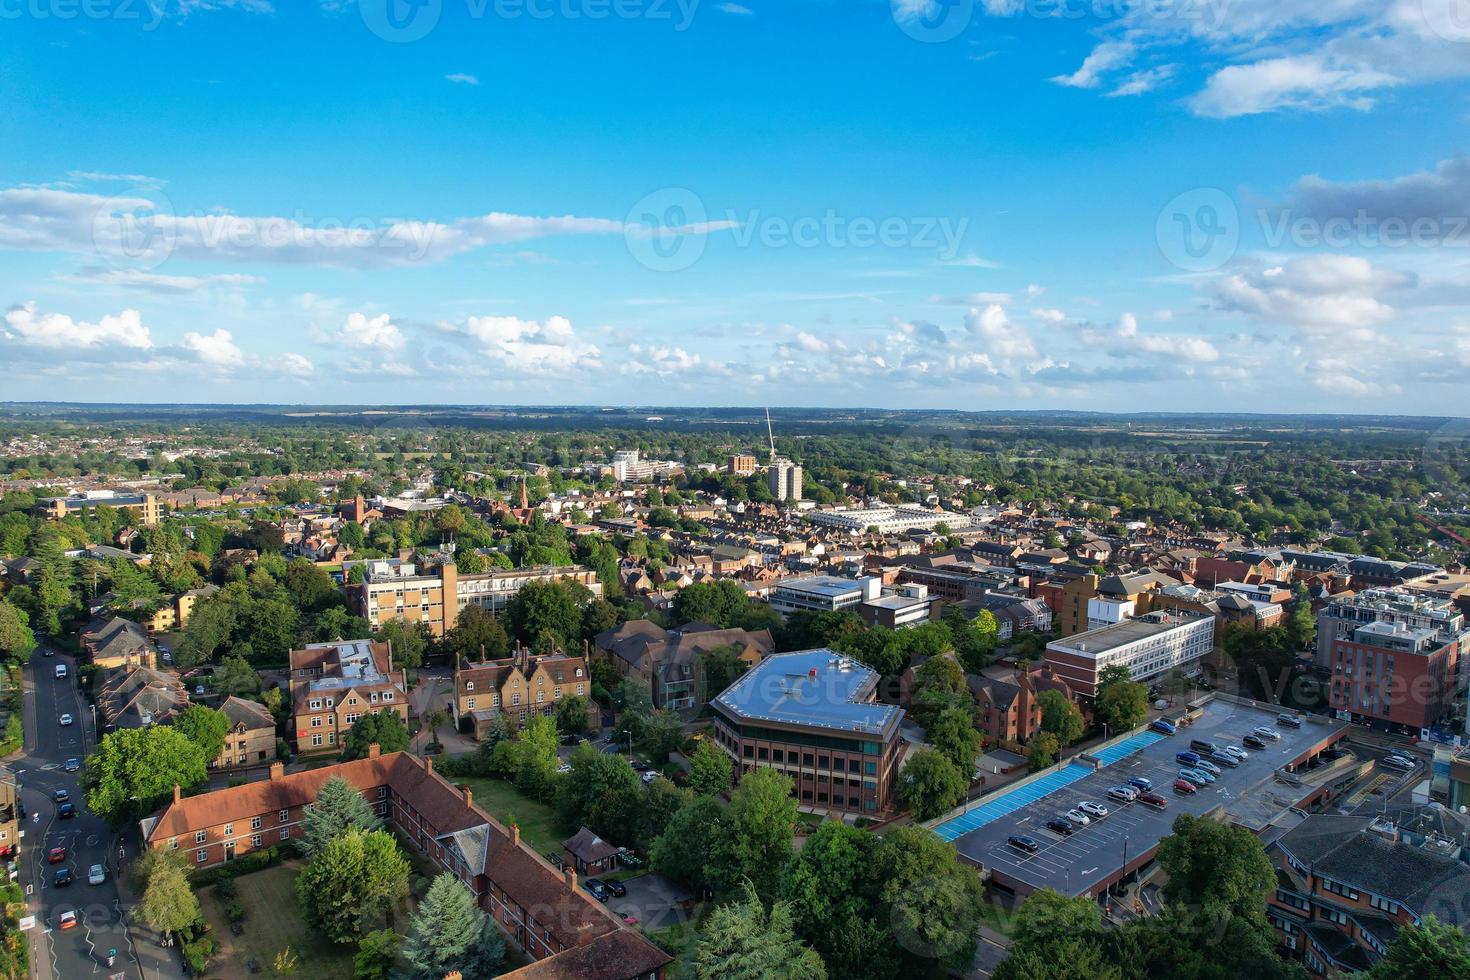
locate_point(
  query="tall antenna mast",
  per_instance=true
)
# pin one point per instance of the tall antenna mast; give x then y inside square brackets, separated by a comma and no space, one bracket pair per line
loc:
[770,434]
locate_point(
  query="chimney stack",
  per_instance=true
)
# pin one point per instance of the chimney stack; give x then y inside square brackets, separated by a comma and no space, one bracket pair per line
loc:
[278,771]
[429,764]
[178,793]
[374,750]
[515,835]
[571,876]
[469,799]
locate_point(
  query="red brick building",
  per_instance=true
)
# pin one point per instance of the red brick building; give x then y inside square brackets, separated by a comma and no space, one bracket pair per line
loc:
[539,908]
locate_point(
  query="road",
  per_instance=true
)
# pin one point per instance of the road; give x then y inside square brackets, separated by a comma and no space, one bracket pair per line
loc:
[82,951]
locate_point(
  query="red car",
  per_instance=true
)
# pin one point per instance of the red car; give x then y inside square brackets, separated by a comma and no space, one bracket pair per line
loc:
[56,855]
[1184,786]
[1153,799]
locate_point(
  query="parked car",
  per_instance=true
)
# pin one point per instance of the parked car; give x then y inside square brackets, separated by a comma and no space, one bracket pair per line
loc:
[1254,741]
[1162,727]
[1225,759]
[96,874]
[1094,810]
[67,919]
[1028,844]
[1203,746]
[1267,733]
[1138,782]
[1205,765]
[1123,794]
[63,878]
[1187,758]
[597,889]
[1197,776]
[1290,721]
[65,720]
[649,777]
[1398,762]
[630,920]
[564,768]
[66,811]
[72,765]
[1078,817]
[1184,786]
[1153,799]
[1059,826]
[60,796]
[1237,751]
[616,887]
[61,672]
[56,855]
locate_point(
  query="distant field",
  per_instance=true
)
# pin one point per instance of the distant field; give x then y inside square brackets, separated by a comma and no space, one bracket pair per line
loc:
[274,922]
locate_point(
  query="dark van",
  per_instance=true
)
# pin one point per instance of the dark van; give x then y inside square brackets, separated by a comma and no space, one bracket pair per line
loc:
[1204,746]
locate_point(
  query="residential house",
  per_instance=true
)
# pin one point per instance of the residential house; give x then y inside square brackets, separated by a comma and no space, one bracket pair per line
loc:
[516,689]
[117,642]
[251,737]
[590,854]
[334,684]
[670,662]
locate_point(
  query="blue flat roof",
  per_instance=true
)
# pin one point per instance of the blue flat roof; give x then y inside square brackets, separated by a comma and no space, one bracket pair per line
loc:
[782,689]
[828,585]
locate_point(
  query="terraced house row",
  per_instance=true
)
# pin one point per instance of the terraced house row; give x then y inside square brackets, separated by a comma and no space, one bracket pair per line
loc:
[539,908]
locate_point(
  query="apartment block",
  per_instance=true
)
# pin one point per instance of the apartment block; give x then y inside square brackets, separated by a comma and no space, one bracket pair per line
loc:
[814,716]
[824,593]
[1149,646]
[741,465]
[517,689]
[334,684]
[146,505]
[436,596]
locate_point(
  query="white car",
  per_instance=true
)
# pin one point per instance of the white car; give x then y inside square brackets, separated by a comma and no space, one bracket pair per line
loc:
[1096,810]
[1398,762]
[565,767]
[1078,817]
[1236,751]
[1270,733]
[97,875]
[1123,794]
[65,720]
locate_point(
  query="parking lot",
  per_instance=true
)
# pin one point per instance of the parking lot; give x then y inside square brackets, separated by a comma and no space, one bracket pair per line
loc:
[1076,864]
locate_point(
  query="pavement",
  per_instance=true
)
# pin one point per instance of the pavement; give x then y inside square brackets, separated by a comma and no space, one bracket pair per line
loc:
[655,901]
[82,951]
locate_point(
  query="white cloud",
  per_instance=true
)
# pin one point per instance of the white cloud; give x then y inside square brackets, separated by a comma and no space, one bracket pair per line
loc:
[738,10]
[1300,82]
[153,282]
[360,330]
[1143,81]
[971,262]
[216,350]
[461,78]
[1104,58]
[529,346]
[58,331]
[1338,293]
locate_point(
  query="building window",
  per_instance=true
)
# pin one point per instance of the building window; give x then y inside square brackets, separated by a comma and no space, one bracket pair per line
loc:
[469,685]
[229,830]
[387,695]
[283,816]
[285,832]
[469,704]
[254,823]
[200,836]
[316,721]
[173,843]
[255,840]
[316,739]
[382,792]
[316,704]
[201,855]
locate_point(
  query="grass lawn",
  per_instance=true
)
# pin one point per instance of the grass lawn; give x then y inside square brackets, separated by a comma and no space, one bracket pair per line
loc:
[273,922]
[503,801]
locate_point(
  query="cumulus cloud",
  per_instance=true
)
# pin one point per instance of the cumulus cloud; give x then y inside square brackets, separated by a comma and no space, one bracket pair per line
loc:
[461,78]
[361,330]
[216,350]
[1429,207]
[1103,59]
[1339,293]
[57,331]
[529,346]
[129,227]
[1299,82]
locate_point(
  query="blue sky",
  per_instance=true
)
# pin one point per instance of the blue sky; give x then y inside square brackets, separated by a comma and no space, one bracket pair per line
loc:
[1194,204]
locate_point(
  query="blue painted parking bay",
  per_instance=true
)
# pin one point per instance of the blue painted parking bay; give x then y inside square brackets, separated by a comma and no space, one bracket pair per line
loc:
[1009,802]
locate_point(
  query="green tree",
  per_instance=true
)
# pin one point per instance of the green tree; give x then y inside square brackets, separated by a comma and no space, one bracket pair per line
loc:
[939,685]
[375,955]
[697,847]
[383,727]
[540,609]
[953,733]
[477,636]
[598,615]
[833,892]
[134,771]
[1302,624]
[931,784]
[16,639]
[1042,750]
[593,774]
[719,668]
[169,903]
[205,727]
[410,642]
[337,809]
[746,941]
[1430,949]
[351,883]
[1217,866]
[450,934]
[763,817]
[710,769]
[1123,705]
[236,677]
[933,900]
[572,714]
[1060,717]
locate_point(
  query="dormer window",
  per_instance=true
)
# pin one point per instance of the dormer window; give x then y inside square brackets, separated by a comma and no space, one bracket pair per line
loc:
[579,671]
[316,704]
[469,685]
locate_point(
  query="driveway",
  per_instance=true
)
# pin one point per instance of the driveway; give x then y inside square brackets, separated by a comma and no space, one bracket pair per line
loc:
[655,900]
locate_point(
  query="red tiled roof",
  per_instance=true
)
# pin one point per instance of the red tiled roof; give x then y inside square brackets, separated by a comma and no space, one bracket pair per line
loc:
[619,955]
